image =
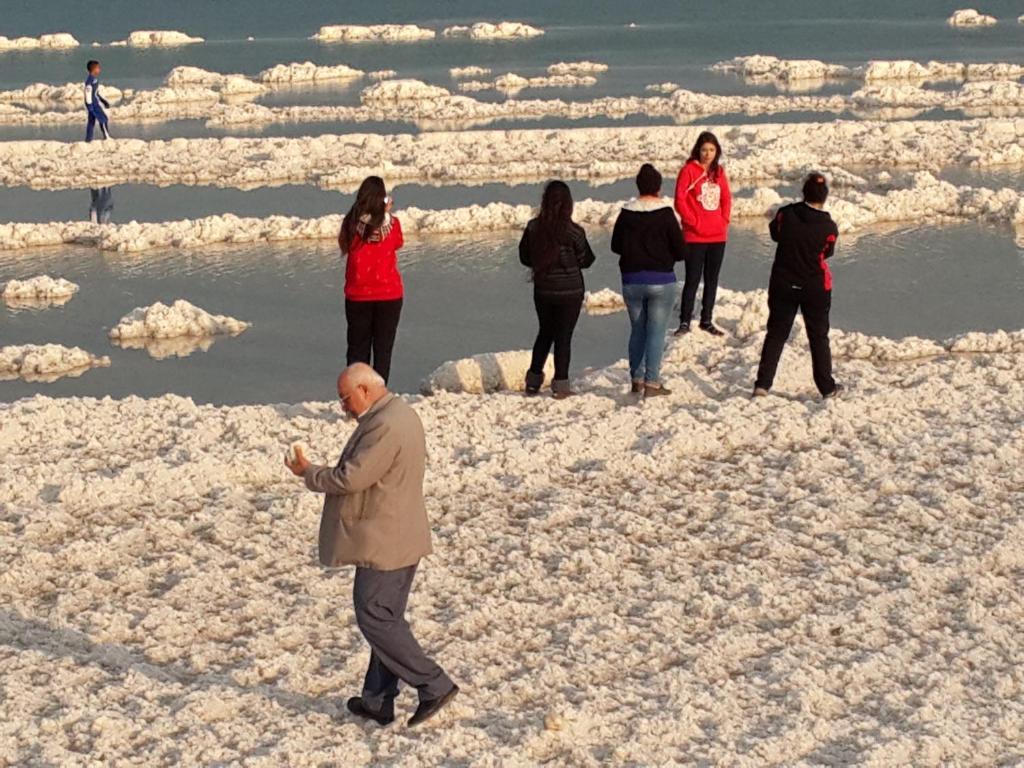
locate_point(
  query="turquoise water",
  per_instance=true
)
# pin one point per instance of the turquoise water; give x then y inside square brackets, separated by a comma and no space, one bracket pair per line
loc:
[466,294]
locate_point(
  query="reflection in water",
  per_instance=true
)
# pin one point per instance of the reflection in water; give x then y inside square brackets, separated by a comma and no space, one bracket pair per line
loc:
[37,303]
[101,204]
[161,349]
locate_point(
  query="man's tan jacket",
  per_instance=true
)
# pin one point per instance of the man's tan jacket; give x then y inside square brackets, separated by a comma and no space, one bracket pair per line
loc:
[374,515]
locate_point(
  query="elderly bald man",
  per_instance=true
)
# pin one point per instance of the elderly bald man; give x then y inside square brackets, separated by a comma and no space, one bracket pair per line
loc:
[374,518]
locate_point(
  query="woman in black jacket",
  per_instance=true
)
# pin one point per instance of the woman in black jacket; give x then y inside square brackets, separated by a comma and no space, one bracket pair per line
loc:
[556,250]
[649,242]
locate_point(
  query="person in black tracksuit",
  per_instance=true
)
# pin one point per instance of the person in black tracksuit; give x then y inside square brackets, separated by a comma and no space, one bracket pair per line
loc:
[801,281]
[556,250]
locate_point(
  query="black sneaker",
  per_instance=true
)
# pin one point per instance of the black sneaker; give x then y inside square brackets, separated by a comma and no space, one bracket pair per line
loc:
[682,330]
[385,716]
[427,709]
[834,393]
[712,330]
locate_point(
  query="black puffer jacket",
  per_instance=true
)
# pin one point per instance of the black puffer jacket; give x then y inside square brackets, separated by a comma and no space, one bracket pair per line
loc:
[647,237]
[563,280]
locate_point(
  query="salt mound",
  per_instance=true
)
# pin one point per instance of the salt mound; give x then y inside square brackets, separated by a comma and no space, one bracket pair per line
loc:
[402,90]
[512,82]
[480,374]
[382,74]
[976,342]
[307,71]
[662,87]
[56,41]
[504,30]
[160,321]
[158,38]
[771,69]
[39,287]
[228,84]
[858,346]
[46,362]
[603,302]
[71,92]
[461,72]
[969,17]
[577,68]
[349,33]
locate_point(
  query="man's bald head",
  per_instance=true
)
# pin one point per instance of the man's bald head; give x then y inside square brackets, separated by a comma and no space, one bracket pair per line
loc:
[359,387]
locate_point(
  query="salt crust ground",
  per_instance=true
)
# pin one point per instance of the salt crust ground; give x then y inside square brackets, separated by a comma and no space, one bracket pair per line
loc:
[857,204]
[46,362]
[700,579]
[768,151]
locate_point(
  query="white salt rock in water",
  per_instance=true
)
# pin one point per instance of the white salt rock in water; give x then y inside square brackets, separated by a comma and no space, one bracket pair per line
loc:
[460,72]
[382,74]
[485,373]
[350,33]
[662,87]
[603,302]
[577,68]
[402,90]
[156,38]
[46,362]
[55,41]
[181,318]
[503,30]
[969,17]
[39,287]
[307,71]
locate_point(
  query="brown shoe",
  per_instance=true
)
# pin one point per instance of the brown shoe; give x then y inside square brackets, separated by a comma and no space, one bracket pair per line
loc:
[560,389]
[655,390]
[637,387]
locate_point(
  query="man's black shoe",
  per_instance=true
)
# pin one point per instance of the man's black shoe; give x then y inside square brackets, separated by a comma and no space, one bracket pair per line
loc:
[712,330]
[385,716]
[427,709]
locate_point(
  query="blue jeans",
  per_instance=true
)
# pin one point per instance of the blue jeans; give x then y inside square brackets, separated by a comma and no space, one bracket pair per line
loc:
[649,308]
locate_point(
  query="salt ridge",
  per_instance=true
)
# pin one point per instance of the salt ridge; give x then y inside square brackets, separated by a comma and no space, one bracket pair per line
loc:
[38,287]
[55,41]
[350,33]
[160,321]
[46,362]
[502,30]
[157,38]
[923,199]
[969,17]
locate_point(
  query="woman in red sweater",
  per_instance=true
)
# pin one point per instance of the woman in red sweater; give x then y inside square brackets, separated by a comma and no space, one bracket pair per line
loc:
[704,203]
[369,239]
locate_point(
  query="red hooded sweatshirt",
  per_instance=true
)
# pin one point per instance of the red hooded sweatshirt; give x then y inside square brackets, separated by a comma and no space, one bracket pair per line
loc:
[703,204]
[371,270]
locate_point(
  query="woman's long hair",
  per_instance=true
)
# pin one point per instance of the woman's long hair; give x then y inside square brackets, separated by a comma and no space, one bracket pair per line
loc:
[369,202]
[707,137]
[552,223]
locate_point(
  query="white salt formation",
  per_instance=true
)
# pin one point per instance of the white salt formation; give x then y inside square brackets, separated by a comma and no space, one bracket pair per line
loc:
[603,302]
[307,71]
[56,41]
[511,82]
[39,287]
[969,17]
[348,33]
[755,553]
[382,74]
[46,362]
[503,30]
[401,91]
[488,372]
[462,72]
[771,69]
[160,321]
[159,38]
[662,87]
[577,68]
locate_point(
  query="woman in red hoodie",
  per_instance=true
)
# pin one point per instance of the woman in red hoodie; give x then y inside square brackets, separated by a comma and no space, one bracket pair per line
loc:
[369,239]
[704,203]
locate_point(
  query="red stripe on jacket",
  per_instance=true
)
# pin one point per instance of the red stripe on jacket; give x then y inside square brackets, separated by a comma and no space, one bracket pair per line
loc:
[830,242]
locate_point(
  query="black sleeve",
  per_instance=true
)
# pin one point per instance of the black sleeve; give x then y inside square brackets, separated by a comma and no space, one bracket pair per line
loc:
[775,227]
[524,248]
[676,244]
[617,235]
[584,254]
